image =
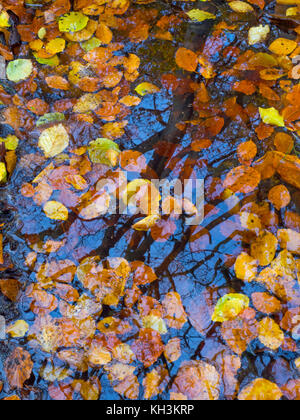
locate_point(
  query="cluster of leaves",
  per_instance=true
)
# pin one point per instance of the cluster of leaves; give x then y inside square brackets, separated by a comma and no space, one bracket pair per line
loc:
[92,314]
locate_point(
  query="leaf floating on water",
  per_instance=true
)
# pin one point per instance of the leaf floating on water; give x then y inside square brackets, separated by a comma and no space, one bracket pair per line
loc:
[104,151]
[4,20]
[18,329]
[230,306]
[19,70]
[283,46]
[241,7]
[271,116]
[260,390]
[242,179]
[72,22]
[200,15]
[54,140]
[246,267]
[3,172]
[146,89]
[197,380]
[147,223]
[186,59]
[56,211]
[18,367]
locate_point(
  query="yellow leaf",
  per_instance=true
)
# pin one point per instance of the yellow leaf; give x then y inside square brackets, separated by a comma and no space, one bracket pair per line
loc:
[4,20]
[270,334]
[3,172]
[258,34]
[18,329]
[230,306]
[245,267]
[146,89]
[155,323]
[200,15]
[146,224]
[72,22]
[241,7]
[56,46]
[271,116]
[260,390]
[56,211]
[264,248]
[54,140]
[283,46]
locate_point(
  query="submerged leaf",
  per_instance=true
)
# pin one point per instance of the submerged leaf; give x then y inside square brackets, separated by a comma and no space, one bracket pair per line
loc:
[19,70]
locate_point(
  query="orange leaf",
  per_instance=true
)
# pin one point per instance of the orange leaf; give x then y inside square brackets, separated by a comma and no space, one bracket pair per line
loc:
[242,180]
[186,59]
[18,367]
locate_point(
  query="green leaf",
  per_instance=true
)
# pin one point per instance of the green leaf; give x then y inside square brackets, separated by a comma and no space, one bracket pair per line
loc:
[19,70]
[72,22]
[230,306]
[50,118]
[271,116]
[200,15]
[91,44]
[52,62]
[104,151]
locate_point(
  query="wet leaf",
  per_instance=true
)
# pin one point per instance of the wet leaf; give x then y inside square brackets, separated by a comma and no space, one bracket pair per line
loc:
[271,116]
[186,59]
[200,15]
[229,307]
[260,390]
[283,46]
[246,267]
[264,248]
[54,140]
[146,89]
[72,22]
[104,151]
[280,197]
[270,334]
[197,381]
[148,347]
[242,179]
[56,211]
[18,367]
[18,329]
[19,70]
[266,303]
[258,34]
[155,382]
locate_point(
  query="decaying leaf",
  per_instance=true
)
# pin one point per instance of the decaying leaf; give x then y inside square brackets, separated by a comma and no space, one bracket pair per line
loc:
[18,367]
[197,381]
[260,390]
